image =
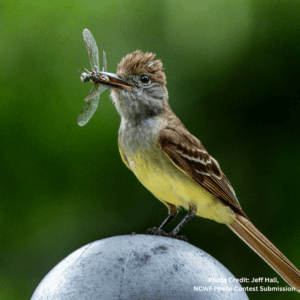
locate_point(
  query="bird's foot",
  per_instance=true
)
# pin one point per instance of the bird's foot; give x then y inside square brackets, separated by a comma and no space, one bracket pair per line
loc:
[178,237]
[160,232]
[156,231]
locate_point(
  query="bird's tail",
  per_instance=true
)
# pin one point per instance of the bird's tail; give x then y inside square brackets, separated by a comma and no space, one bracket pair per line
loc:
[266,250]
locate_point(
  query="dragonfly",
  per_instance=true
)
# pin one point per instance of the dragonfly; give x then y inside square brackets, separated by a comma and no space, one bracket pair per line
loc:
[92,99]
[102,80]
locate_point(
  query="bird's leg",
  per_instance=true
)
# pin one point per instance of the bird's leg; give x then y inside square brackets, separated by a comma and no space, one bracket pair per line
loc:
[173,234]
[190,215]
[171,216]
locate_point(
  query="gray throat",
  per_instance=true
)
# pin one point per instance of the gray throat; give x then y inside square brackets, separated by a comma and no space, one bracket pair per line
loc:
[137,106]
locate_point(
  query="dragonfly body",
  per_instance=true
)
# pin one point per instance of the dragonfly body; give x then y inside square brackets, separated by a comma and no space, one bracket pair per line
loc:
[96,77]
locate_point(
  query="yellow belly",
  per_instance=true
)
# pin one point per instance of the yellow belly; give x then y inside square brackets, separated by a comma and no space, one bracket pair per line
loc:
[167,183]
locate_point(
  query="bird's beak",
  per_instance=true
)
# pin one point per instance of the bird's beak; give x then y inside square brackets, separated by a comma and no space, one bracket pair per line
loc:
[113,81]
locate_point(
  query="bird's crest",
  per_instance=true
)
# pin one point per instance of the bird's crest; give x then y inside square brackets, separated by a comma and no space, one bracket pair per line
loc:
[138,63]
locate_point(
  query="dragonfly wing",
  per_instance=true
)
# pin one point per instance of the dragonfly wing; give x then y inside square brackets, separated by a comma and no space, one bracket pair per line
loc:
[104,62]
[90,106]
[102,88]
[92,49]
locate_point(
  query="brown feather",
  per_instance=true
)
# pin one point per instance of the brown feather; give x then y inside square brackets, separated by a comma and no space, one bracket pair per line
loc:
[266,250]
[181,146]
[138,63]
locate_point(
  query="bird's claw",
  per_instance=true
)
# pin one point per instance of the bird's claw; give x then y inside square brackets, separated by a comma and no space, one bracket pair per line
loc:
[156,231]
[160,232]
[178,237]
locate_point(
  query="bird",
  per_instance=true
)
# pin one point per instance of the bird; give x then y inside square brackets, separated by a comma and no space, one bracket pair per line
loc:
[173,164]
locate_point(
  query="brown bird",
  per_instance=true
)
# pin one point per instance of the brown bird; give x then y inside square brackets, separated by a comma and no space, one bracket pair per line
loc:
[173,164]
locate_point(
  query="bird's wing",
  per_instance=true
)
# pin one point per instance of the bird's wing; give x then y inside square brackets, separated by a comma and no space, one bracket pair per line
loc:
[190,156]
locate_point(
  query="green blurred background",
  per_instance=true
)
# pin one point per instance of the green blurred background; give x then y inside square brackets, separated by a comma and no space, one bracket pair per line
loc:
[232,69]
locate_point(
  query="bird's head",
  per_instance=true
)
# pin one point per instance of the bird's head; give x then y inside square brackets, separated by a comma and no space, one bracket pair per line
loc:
[138,89]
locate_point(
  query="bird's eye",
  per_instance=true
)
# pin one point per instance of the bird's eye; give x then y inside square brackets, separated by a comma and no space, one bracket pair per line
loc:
[145,79]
